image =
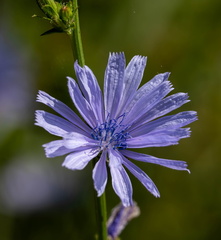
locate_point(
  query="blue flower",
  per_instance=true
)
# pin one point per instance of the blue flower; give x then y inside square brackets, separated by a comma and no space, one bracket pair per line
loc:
[125,117]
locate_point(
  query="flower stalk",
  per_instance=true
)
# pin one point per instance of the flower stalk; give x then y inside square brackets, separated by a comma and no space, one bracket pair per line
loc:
[101,216]
[75,36]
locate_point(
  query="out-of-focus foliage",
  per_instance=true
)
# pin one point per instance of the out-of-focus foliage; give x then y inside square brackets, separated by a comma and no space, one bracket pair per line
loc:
[41,200]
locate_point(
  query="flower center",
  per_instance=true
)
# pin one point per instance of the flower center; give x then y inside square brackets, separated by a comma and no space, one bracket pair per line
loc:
[111,133]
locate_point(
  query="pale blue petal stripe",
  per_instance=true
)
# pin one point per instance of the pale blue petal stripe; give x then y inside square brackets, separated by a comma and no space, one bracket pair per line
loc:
[147,101]
[91,90]
[173,164]
[132,78]
[158,139]
[62,109]
[55,149]
[120,181]
[165,106]
[81,103]
[54,124]
[142,177]
[75,140]
[100,174]
[168,122]
[79,160]
[113,83]
[147,88]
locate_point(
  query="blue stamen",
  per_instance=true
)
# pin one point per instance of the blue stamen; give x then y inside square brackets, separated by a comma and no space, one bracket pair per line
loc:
[111,133]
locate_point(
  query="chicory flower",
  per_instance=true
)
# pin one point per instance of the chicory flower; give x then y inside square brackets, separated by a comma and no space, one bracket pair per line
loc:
[124,117]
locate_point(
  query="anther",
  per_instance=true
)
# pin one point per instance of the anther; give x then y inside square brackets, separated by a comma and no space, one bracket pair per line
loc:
[111,134]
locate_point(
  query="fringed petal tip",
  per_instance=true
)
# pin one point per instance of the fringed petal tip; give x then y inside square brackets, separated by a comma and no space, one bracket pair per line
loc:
[47,150]
[116,55]
[38,117]
[40,95]
[158,195]
[55,148]
[140,58]
[46,99]
[38,98]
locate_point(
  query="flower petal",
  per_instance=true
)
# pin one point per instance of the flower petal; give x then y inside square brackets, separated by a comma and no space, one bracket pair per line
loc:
[132,78]
[148,87]
[142,177]
[173,164]
[165,106]
[120,180]
[81,103]
[168,122]
[79,160]
[54,124]
[100,174]
[91,90]
[145,99]
[62,109]
[113,83]
[158,139]
[55,149]
[75,140]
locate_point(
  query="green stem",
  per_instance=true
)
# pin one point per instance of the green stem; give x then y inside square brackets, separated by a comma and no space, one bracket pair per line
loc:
[100,202]
[101,212]
[102,217]
[75,37]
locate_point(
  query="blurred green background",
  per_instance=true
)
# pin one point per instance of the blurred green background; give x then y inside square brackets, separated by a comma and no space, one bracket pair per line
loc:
[41,200]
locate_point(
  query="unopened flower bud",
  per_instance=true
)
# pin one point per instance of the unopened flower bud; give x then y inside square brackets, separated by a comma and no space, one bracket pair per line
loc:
[61,14]
[119,218]
[66,13]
